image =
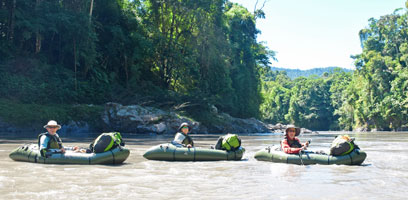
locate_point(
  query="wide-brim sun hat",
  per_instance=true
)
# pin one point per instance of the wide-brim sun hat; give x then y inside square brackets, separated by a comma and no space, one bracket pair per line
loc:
[183,125]
[297,129]
[52,123]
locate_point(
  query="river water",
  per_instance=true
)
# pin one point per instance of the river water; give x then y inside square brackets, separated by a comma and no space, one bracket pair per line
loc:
[383,175]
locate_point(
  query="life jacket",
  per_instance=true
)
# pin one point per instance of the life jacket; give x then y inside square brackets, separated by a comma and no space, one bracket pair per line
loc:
[54,142]
[231,142]
[342,145]
[293,143]
[106,141]
[187,139]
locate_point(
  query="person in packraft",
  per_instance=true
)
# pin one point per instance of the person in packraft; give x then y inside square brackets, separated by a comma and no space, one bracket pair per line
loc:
[291,144]
[49,142]
[182,138]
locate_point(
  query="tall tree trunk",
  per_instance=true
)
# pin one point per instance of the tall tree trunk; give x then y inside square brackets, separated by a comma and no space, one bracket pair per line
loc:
[90,12]
[37,34]
[126,72]
[38,39]
[10,35]
[75,66]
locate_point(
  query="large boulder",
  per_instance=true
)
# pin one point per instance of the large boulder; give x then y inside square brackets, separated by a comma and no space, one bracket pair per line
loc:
[138,119]
[75,129]
[237,125]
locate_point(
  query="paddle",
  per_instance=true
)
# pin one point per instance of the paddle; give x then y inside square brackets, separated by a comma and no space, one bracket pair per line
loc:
[303,151]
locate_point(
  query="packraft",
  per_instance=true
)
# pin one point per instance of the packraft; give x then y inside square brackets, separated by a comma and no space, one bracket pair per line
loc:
[274,154]
[106,142]
[170,152]
[229,142]
[342,145]
[30,153]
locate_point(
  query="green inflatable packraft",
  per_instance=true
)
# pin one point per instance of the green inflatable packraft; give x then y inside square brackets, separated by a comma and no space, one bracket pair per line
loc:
[170,152]
[272,154]
[30,153]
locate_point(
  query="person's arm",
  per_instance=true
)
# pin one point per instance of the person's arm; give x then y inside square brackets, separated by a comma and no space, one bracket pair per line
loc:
[287,149]
[305,145]
[43,145]
[70,148]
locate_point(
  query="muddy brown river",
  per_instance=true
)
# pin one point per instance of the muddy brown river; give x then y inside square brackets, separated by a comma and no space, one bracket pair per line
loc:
[383,175]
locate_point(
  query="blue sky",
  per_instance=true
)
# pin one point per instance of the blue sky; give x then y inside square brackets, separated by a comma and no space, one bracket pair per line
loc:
[317,33]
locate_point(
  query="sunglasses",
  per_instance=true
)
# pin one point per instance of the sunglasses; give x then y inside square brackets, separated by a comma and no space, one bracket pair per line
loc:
[52,127]
[185,127]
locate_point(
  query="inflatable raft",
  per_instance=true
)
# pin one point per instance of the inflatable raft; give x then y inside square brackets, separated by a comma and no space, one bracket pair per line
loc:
[356,157]
[30,153]
[170,152]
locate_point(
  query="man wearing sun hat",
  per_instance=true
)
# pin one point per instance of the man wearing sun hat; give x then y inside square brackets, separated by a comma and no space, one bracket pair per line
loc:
[49,142]
[182,138]
[291,144]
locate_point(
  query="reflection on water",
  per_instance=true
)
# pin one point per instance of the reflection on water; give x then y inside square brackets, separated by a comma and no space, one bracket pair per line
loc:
[383,176]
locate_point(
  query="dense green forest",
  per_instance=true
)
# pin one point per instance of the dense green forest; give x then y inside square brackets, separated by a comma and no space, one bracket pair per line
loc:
[189,55]
[295,73]
[374,96]
[195,53]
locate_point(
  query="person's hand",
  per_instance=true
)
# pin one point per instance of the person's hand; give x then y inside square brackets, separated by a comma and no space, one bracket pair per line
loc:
[62,150]
[80,150]
[189,146]
[75,148]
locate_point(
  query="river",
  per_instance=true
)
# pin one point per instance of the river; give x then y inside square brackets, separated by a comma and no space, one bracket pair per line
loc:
[383,175]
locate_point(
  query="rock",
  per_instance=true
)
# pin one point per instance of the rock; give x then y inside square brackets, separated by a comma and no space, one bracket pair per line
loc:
[237,125]
[213,109]
[160,128]
[75,128]
[307,131]
[8,128]
[277,127]
[361,129]
[403,128]
[138,119]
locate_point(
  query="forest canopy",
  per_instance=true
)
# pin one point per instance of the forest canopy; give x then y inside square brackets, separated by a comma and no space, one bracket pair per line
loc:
[189,55]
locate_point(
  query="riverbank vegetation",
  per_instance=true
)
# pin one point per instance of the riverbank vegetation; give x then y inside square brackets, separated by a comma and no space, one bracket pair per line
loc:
[373,96]
[132,52]
[187,56]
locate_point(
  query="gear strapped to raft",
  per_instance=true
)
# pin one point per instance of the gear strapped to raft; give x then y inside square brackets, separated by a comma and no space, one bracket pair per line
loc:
[342,145]
[106,142]
[229,142]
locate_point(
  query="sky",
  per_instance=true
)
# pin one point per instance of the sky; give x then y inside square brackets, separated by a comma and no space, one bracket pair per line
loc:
[308,34]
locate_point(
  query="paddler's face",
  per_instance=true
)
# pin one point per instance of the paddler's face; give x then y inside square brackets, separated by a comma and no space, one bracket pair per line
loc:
[52,129]
[291,133]
[184,129]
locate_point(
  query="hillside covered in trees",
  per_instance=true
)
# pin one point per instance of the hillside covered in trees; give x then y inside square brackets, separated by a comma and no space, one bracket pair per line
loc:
[295,73]
[372,97]
[187,56]
[159,53]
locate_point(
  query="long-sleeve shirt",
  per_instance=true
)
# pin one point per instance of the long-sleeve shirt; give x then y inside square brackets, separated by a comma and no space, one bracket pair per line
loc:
[291,146]
[181,139]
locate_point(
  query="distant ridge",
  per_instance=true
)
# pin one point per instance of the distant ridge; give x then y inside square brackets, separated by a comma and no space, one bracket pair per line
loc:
[294,73]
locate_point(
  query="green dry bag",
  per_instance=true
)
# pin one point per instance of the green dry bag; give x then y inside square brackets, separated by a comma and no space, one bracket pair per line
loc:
[231,142]
[342,145]
[106,142]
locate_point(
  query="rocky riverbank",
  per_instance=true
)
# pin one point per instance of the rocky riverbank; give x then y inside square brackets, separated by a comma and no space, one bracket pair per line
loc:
[138,119]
